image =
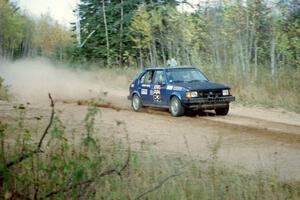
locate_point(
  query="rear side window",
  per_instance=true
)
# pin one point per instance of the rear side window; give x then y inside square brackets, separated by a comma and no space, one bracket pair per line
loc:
[147,77]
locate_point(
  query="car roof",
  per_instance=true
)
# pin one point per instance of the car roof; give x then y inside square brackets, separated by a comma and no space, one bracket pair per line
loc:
[162,68]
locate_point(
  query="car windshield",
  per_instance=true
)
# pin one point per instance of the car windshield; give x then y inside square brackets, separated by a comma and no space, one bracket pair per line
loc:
[185,75]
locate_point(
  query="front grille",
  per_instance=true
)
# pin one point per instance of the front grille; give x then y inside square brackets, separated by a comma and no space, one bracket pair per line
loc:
[210,93]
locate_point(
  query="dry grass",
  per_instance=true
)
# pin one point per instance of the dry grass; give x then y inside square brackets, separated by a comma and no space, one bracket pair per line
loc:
[282,90]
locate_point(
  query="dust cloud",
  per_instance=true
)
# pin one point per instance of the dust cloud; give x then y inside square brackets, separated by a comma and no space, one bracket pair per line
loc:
[30,80]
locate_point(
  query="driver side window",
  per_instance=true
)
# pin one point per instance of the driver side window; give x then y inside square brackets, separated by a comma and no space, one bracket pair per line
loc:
[147,77]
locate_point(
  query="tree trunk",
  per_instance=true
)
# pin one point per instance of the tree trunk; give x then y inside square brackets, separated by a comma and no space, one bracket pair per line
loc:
[140,54]
[272,55]
[187,55]
[242,57]
[163,53]
[250,47]
[255,58]
[151,56]
[106,34]
[154,52]
[162,47]
[78,32]
[121,35]
[170,50]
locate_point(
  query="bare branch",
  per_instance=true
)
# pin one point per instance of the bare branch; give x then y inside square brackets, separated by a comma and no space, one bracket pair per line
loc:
[49,125]
[126,164]
[157,186]
[87,182]
[20,159]
[81,183]
[38,148]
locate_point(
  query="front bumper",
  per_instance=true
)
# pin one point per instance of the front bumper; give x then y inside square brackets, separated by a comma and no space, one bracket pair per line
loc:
[208,103]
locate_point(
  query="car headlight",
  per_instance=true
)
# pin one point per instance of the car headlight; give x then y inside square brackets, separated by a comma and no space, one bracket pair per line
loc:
[225,92]
[191,94]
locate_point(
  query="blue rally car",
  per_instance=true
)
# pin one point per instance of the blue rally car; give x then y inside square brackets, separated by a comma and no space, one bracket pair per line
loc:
[179,89]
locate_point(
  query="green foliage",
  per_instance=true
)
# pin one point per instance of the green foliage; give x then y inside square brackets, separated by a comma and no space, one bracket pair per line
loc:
[122,35]
[58,128]
[10,28]
[89,120]
[21,35]
[50,38]
[141,28]
[229,33]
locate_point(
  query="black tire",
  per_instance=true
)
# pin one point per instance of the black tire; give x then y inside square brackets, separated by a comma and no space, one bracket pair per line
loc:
[175,107]
[222,111]
[136,103]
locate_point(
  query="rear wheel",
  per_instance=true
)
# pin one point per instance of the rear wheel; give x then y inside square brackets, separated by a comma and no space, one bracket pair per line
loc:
[176,107]
[222,111]
[136,103]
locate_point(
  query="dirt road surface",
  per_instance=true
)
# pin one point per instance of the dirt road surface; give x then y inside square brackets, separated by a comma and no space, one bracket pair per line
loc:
[254,138]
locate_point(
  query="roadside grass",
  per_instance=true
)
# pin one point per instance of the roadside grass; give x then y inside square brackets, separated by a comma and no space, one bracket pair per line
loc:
[280,91]
[99,167]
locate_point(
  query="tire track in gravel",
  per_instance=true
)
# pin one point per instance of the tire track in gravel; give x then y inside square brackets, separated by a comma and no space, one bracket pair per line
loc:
[240,124]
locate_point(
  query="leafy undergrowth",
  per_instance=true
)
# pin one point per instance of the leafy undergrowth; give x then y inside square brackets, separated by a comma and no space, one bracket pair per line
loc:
[60,167]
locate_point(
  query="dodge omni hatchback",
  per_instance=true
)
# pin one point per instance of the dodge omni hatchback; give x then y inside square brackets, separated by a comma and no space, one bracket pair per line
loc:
[179,89]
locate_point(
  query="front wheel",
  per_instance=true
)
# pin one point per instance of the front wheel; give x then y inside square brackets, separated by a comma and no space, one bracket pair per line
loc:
[222,111]
[136,103]
[176,107]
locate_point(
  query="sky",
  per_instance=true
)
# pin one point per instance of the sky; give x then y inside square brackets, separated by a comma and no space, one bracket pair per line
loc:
[60,10]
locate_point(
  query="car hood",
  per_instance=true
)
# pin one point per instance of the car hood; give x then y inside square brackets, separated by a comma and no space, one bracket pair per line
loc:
[205,85]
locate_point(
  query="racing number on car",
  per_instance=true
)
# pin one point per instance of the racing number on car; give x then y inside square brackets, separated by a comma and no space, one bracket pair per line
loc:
[156,93]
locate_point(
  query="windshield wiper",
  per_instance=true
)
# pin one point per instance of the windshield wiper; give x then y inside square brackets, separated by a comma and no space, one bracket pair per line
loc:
[177,81]
[191,81]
